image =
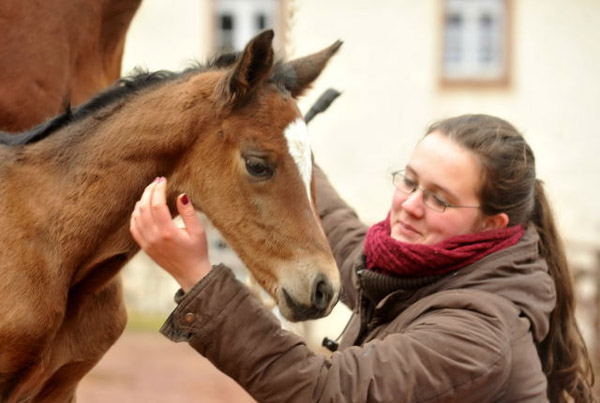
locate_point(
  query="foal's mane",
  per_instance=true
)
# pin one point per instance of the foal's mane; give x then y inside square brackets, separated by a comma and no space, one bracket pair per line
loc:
[121,90]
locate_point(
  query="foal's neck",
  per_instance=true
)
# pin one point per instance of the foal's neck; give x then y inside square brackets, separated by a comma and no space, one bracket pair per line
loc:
[96,169]
[129,143]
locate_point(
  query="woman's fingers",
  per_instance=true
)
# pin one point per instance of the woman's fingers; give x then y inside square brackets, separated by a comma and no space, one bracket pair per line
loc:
[144,202]
[193,226]
[143,211]
[151,219]
[181,252]
[133,226]
[158,203]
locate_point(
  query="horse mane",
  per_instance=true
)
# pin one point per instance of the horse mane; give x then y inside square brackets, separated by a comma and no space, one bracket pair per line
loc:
[123,88]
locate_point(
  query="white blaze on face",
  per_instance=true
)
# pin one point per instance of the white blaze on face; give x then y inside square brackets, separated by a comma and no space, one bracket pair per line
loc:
[298,142]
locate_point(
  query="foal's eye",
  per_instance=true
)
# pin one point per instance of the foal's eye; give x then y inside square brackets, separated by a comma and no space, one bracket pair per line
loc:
[258,167]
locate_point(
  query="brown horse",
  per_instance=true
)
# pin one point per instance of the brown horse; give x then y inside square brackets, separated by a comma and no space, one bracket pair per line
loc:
[55,52]
[229,134]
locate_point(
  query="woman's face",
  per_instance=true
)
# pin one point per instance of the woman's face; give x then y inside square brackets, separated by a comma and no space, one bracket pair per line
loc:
[453,174]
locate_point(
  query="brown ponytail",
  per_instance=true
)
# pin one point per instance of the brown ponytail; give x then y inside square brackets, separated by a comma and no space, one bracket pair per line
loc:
[563,353]
[509,185]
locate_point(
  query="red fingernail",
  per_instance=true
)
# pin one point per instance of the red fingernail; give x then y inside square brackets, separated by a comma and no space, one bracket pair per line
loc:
[185,200]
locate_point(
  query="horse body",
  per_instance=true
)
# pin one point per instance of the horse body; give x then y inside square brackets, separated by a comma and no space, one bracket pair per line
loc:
[56,52]
[218,135]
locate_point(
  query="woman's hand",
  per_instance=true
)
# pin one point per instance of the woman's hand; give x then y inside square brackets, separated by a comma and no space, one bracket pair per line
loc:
[183,252]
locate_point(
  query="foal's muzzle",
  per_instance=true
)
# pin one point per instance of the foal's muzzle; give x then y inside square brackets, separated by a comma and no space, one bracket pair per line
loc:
[322,298]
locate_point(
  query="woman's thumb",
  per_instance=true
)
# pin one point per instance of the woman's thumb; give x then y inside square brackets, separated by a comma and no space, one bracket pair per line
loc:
[192,223]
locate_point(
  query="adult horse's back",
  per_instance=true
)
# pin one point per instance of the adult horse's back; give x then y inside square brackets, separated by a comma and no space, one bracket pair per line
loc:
[229,134]
[56,52]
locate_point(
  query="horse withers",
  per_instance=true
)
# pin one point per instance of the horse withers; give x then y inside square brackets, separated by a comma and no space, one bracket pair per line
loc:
[229,134]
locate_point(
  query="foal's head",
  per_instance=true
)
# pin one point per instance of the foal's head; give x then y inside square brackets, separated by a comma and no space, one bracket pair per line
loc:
[250,172]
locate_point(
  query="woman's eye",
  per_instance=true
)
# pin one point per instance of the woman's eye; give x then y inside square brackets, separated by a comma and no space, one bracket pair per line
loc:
[258,167]
[438,201]
[409,183]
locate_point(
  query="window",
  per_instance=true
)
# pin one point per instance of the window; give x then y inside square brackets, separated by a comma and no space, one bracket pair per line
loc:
[261,21]
[226,24]
[239,20]
[475,41]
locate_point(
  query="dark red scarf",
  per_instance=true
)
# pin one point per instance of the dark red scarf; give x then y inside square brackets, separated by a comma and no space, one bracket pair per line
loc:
[385,254]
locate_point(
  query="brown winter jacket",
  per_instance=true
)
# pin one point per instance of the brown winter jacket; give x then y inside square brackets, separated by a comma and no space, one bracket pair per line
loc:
[465,337]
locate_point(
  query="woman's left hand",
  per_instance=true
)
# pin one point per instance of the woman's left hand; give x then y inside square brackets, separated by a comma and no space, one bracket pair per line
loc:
[182,252]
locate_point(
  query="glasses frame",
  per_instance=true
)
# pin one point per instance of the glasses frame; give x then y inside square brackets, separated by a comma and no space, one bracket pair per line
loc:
[426,194]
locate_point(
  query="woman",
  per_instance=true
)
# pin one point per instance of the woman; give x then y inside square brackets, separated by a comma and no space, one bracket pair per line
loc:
[462,293]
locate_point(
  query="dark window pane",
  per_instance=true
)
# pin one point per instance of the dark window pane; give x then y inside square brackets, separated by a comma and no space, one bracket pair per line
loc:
[225,32]
[227,22]
[486,39]
[454,21]
[453,39]
[261,21]
[485,21]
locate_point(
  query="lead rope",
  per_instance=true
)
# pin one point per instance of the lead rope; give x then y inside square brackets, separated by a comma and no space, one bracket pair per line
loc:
[322,103]
[333,345]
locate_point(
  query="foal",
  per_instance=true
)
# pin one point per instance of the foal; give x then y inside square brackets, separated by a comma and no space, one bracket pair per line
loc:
[228,134]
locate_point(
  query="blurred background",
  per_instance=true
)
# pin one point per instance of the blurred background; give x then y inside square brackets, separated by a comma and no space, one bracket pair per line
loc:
[403,65]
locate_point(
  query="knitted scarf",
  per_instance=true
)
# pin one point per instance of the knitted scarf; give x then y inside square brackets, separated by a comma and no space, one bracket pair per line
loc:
[387,255]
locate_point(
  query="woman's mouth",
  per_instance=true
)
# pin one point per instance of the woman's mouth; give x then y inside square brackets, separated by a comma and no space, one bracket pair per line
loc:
[405,232]
[409,228]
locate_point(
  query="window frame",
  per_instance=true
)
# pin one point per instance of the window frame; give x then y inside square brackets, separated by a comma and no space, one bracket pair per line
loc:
[502,80]
[274,19]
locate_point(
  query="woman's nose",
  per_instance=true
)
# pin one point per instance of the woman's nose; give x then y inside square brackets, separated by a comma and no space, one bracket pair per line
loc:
[413,203]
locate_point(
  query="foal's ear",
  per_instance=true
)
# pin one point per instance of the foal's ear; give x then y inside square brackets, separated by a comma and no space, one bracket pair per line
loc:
[252,67]
[300,73]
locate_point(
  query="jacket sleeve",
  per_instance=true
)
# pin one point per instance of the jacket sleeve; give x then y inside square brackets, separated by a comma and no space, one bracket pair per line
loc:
[459,354]
[345,233]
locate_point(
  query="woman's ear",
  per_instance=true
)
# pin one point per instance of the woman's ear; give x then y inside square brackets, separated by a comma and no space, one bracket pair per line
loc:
[495,221]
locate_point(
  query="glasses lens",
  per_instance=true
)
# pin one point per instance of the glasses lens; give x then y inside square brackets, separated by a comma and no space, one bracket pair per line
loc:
[433,203]
[408,186]
[402,183]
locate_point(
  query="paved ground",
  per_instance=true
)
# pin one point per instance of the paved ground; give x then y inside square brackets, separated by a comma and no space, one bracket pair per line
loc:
[146,367]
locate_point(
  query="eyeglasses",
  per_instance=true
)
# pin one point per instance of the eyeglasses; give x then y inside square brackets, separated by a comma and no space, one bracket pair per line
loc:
[430,199]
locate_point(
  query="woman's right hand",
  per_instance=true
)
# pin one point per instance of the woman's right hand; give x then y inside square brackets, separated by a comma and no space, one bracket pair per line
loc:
[182,252]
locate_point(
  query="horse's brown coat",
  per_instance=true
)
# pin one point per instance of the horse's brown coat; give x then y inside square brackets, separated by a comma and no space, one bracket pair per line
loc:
[65,203]
[55,52]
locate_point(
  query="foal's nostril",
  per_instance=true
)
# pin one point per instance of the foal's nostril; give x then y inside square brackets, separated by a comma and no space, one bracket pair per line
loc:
[322,293]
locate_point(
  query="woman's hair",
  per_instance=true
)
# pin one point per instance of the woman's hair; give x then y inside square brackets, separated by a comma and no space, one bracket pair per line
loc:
[509,185]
